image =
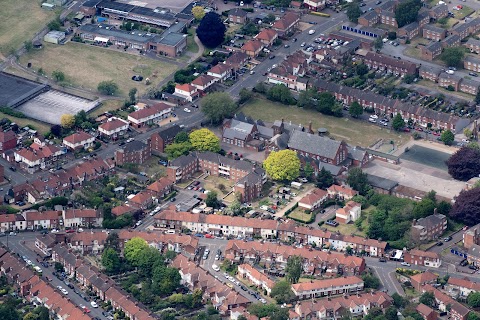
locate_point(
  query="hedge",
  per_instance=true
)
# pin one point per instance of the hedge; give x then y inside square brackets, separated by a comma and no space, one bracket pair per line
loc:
[295,206]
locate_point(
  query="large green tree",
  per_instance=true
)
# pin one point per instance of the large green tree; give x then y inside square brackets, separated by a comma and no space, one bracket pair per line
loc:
[133,248]
[355,109]
[204,140]
[453,57]
[427,298]
[282,165]
[354,12]
[294,268]
[211,30]
[111,261]
[282,292]
[407,12]
[397,122]
[324,179]
[473,299]
[280,93]
[107,87]
[358,180]
[447,137]
[217,106]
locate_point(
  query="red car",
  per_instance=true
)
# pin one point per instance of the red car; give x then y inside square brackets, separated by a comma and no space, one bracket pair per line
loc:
[419,129]
[209,236]
[70,231]
[406,129]
[436,133]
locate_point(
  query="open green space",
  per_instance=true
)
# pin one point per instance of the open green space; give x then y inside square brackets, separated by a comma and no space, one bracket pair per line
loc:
[462,13]
[191,44]
[86,65]
[21,20]
[300,214]
[107,105]
[354,132]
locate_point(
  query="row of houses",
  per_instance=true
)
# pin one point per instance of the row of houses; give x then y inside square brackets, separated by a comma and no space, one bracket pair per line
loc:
[384,105]
[104,287]
[453,81]
[36,291]
[36,220]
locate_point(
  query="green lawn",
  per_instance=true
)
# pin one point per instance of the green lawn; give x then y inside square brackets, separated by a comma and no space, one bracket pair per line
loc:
[300,214]
[108,105]
[354,132]
[86,65]
[21,19]
[462,13]
[191,44]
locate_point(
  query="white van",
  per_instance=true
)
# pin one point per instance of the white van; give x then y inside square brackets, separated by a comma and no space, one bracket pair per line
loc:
[311,31]
[170,232]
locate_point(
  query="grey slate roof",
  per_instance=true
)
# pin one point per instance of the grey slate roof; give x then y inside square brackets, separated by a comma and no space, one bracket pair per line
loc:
[473,42]
[313,144]
[230,133]
[430,221]
[265,132]
[133,146]
[356,153]
[382,183]
[433,28]
[182,161]
[433,46]
[169,133]
[241,126]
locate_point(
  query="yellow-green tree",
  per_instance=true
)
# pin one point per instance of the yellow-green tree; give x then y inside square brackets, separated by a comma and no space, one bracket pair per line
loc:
[133,248]
[67,121]
[282,165]
[204,140]
[198,12]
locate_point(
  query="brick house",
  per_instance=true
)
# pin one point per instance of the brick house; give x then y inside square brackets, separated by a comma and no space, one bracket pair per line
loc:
[238,16]
[257,278]
[469,86]
[186,91]
[8,140]
[313,200]
[421,279]
[327,287]
[134,152]
[409,31]
[431,51]
[445,303]
[426,312]
[267,37]
[451,41]
[252,47]
[379,61]
[369,19]
[422,258]
[438,12]
[73,218]
[221,72]
[149,115]
[434,33]
[429,228]
[203,83]
[79,140]
[463,286]
[36,220]
[160,139]
[113,128]
[429,73]
[286,24]
[142,200]
[161,187]
[473,45]
[471,63]
[446,80]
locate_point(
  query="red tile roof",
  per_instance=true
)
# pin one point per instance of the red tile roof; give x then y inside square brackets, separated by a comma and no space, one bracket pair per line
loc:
[185,87]
[77,137]
[314,196]
[326,283]
[286,21]
[123,209]
[149,111]
[44,215]
[7,136]
[113,124]
[80,213]
[160,185]
[252,45]
[266,34]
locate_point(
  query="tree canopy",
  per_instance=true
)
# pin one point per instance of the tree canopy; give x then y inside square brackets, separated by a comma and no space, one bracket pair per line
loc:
[427,298]
[354,12]
[111,261]
[198,12]
[294,268]
[107,87]
[473,299]
[464,164]
[217,106]
[211,30]
[355,109]
[467,207]
[282,292]
[67,121]
[398,123]
[407,12]
[282,165]
[447,137]
[204,140]
[132,250]
[324,179]
[280,93]
[358,180]
[323,102]
[453,57]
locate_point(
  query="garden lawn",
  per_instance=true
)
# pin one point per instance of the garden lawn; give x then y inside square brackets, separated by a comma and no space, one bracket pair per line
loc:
[300,215]
[107,105]
[354,132]
[21,19]
[86,65]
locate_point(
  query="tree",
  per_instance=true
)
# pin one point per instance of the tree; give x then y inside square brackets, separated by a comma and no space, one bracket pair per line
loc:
[165,279]
[59,267]
[67,121]
[427,298]
[398,300]
[361,69]
[467,207]
[391,313]
[147,258]
[355,109]
[282,292]
[211,30]
[58,76]
[204,140]
[42,313]
[294,267]
[132,95]
[111,261]
[407,12]
[282,165]
[8,312]
[218,105]
[378,43]
[473,299]
[398,123]
[270,311]
[107,87]
[54,25]
[358,180]
[56,130]
[113,241]
[392,35]
[370,281]
[244,95]
[464,164]
[307,99]
[212,200]
[280,93]
[468,133]
[28,45]
[182,136]
[132,249]
[175,150]
[453,56]
[477,98]
[308,171]
[447,137]
[324,179]
[325,103]
[198,12]
[354,12]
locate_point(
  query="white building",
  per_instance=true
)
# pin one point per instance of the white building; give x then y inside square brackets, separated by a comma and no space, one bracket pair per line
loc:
[327,287]
[113,128]
[79,140]
[149,115]
[349,213]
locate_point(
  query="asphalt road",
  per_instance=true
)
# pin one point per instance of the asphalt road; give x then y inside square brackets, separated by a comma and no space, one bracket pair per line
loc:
[15,244]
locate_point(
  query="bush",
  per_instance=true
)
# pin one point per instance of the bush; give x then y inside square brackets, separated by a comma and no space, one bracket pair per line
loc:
[12,112]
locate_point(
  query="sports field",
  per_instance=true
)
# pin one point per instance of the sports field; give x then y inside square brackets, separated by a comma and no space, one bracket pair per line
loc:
[86,65]
[20,20]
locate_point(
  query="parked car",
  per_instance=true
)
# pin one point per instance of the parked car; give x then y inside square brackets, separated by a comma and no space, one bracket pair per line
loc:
[447,239]
[382,259]
[406,264]
[331,223]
